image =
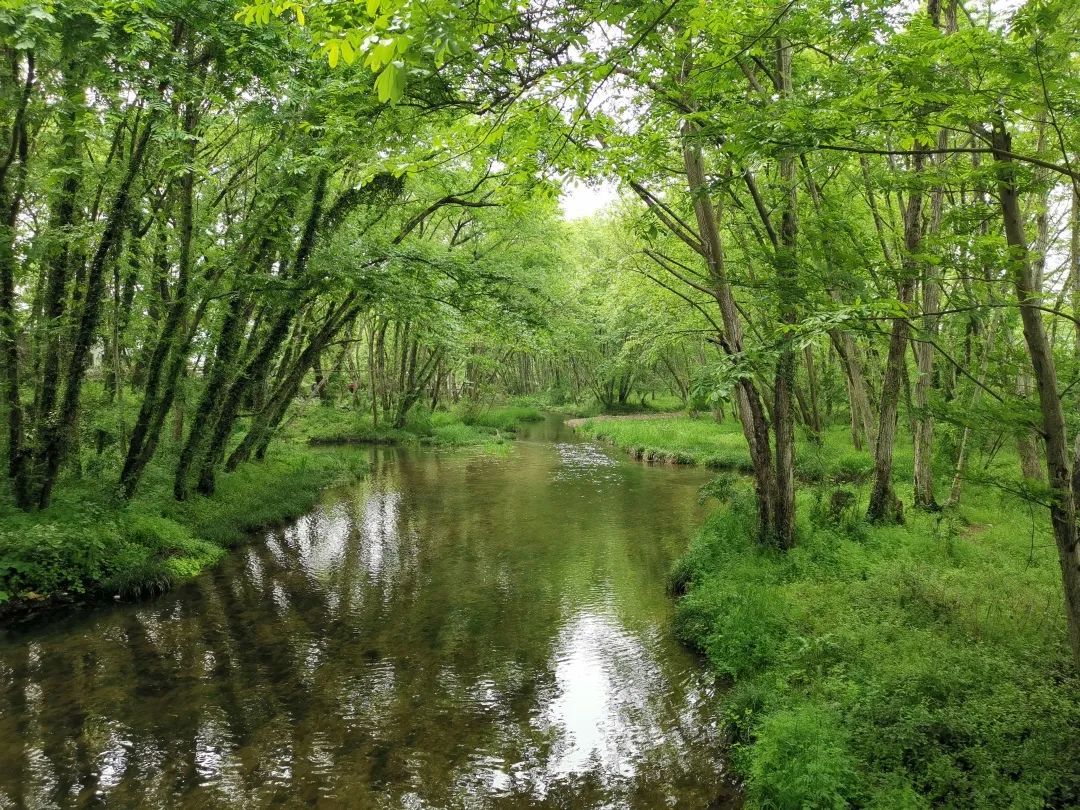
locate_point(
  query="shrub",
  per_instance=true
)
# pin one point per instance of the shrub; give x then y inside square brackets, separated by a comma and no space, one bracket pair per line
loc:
[852,468]
[800,760]
[811,466]
[889,666]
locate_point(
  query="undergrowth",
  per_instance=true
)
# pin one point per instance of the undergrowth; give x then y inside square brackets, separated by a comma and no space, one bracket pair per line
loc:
[889,666]
[465,425]
[91,544]
[903,666]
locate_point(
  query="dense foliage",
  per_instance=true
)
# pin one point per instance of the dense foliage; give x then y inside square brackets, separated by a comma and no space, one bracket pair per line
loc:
[217,217]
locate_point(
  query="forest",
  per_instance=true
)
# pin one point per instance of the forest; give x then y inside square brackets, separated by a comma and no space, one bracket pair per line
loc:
[828,256]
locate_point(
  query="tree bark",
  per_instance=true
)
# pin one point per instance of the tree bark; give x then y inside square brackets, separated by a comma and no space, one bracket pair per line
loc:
[924,359]
[884,506]
[169,354]
[289,384]
[59,430]
[12,179]
[1063,473]
[219,378]
[751,408]
[788,294]
[255,370]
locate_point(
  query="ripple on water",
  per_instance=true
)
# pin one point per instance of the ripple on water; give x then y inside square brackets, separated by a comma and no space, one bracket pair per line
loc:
[584,462]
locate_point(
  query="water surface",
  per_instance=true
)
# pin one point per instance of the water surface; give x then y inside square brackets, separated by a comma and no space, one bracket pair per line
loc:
[457,630]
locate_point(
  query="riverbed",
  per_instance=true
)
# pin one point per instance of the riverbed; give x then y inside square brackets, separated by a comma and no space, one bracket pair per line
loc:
[457,630]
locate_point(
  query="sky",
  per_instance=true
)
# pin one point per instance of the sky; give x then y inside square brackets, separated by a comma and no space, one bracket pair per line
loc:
[579,200]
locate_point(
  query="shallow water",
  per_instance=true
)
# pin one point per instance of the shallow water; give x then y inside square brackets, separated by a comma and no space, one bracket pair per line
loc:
[457,630]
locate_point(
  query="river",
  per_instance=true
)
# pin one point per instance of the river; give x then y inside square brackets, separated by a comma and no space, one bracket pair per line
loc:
[457,630]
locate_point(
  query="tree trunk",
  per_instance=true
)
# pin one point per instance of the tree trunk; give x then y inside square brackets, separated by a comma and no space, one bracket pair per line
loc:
[170,352]
[976,393]
[788,294]
[861,414]
[747,397]
[59,430]
[288,385]
[254,372]
[924,360]
[1063,473]
[12,179]
[219,378]
[884,506]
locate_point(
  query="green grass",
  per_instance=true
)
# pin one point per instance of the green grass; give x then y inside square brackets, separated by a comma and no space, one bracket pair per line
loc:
[463,426]
[878,666]
[664,403]
[90,544]
[702,441]
[677,440]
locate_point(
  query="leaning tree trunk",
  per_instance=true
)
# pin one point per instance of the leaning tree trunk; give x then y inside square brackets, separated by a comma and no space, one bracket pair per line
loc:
[169,353]
[217,383]
[12,179]
[1063,472]
[255,370]
[751,409]
[267,420]
[58,432]
[861,414]
[862,418]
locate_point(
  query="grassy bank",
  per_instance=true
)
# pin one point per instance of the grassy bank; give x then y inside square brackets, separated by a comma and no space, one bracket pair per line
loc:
[907,666]
[462,426]
[674,440]
[90,544]
[703,441]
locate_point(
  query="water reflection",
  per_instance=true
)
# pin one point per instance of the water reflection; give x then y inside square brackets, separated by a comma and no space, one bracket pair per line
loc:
[457,631]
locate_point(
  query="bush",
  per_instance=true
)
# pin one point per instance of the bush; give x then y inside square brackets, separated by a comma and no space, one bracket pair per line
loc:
[800,760]
[811,466]
[62,551]
[853,468]
[732,619]
[738,626]
[889,666]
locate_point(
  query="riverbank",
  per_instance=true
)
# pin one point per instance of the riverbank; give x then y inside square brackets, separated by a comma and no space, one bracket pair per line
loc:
[90,545]
[702,441]
[463,426]
[878,666]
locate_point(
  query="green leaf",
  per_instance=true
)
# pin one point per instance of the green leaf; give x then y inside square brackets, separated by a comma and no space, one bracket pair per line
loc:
[390,83]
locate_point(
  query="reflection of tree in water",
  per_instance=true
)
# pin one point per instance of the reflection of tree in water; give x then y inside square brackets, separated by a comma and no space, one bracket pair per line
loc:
[431,634]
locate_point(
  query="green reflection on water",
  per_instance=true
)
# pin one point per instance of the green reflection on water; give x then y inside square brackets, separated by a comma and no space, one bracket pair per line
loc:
[456,631]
